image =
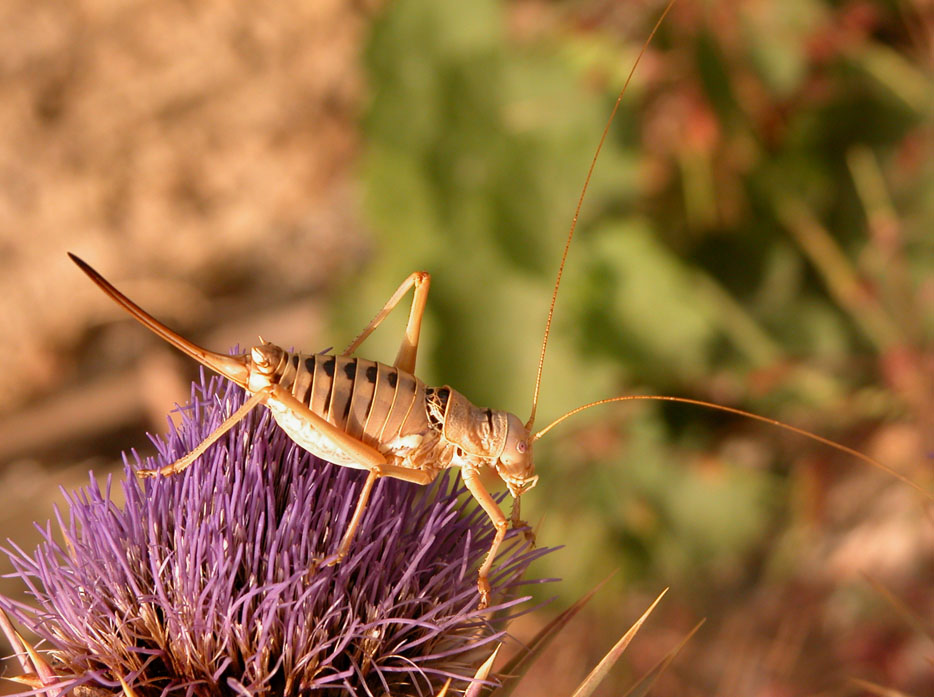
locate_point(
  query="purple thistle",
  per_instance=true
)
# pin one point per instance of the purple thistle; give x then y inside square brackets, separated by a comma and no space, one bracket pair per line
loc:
[206,583]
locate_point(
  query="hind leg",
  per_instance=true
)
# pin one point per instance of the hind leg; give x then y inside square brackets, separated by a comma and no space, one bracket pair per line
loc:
[405,359]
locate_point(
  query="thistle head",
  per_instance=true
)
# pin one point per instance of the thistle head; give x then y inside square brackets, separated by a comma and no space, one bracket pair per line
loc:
[206,583]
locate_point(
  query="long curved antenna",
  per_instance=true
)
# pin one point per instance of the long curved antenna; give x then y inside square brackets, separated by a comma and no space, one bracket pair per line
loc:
[231,367]
[580,202]
[749,415]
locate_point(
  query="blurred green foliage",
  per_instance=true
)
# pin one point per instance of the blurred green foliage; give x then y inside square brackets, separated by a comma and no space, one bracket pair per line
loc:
[758,232]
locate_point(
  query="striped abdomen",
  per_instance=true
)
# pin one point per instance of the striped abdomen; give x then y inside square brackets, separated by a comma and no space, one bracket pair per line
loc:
[373,402]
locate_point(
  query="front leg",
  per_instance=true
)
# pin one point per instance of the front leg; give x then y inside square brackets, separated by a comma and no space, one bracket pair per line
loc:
[183,463]
[475,486]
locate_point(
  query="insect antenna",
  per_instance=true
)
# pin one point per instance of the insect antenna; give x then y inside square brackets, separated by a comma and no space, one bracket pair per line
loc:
[749,415]
[665,398]
[577,210]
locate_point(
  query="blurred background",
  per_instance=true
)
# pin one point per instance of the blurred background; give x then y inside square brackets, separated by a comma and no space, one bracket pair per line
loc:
[758,233]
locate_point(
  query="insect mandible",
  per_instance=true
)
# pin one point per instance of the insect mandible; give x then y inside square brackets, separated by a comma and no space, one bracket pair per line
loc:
[383,419]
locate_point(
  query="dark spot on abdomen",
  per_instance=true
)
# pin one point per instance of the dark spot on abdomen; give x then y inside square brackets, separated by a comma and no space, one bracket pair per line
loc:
[371,374]
[350,369]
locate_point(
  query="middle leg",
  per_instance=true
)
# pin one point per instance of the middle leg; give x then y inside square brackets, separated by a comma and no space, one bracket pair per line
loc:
[394,471]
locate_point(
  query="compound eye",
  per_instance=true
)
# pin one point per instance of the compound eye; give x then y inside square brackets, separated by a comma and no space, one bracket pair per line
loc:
[521,447]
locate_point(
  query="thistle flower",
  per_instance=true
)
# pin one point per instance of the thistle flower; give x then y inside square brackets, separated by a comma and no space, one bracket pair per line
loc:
[208,583]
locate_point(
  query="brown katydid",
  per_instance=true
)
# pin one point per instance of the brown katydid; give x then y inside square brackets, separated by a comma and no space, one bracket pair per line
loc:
[381,418]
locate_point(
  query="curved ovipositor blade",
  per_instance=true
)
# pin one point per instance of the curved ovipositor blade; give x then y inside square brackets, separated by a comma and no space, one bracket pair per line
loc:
[231,367]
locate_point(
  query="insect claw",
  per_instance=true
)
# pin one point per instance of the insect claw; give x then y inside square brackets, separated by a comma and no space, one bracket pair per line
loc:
[483,585]
[176,467]
[311,571]
[323,562]
[165,471]
[334,560]
[528,532]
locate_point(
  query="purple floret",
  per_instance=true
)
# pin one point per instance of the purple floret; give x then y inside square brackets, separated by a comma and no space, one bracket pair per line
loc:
[206,583]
